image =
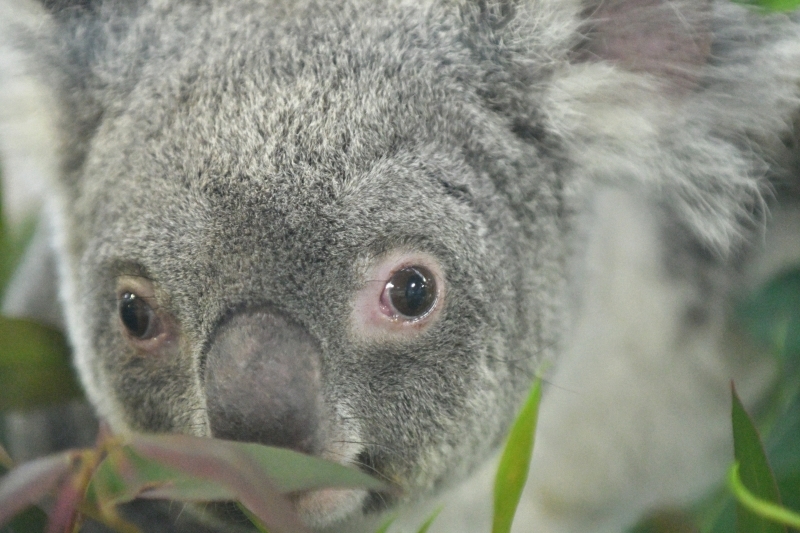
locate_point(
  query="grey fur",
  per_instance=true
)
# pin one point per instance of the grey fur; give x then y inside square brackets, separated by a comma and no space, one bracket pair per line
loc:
[261,157]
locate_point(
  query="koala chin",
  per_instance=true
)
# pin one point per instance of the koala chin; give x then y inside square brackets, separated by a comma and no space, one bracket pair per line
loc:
[359,228]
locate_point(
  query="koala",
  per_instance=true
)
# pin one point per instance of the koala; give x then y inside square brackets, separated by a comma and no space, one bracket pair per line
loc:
[360,228]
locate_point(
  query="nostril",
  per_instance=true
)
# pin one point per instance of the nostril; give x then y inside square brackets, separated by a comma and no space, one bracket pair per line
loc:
[262,382]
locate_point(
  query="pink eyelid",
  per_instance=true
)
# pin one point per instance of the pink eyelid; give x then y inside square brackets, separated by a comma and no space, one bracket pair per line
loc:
[373,315]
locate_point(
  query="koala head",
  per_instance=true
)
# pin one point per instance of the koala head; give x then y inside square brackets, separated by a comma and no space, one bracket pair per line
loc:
[335,227]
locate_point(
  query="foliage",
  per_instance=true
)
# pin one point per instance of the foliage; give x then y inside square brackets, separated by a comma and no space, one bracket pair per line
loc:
[756,474]
[765,511]
[772,5]
[514,462]
[34,367]
[93,482]
[772,315]
[34,358]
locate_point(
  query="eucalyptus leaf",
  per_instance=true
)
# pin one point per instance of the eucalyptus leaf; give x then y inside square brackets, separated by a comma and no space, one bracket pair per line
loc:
[762,508]
[124,475]
[384,527]
[28,483]
[427,524]
[515,462]
[754,469]
[224,463]
[290,471]
[64,513]
[773,5]
[293,471]
[253,519]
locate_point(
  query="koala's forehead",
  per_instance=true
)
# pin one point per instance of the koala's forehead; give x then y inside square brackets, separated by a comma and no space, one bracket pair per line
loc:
[293,118]
[280,157]
[321,90]
[313,85]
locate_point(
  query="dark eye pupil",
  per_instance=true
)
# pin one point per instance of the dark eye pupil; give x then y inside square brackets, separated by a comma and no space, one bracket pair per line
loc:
[413,291]
[136,315]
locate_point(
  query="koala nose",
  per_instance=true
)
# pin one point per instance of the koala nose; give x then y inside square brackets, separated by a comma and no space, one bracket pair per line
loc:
[262,382]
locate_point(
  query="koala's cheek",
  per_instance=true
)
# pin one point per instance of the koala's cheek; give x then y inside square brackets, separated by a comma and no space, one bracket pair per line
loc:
[158,394]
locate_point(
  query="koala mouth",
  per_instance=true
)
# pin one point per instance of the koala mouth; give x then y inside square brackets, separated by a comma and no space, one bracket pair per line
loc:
[375,501]
[316,508]
[323,507]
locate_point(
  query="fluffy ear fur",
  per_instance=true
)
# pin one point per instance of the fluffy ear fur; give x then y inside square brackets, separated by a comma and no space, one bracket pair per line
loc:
[640,106]
[626,91]
[669,39]
[70,56]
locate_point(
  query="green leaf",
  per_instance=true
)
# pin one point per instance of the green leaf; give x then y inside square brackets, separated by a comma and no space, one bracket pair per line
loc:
[773,5]
[386,524]
[759,507]
[253,519]
[290,471]
[124,475]
[224,463]
[756,474]
[28,483]
[34,366]
[181,467]
[427,524]
[515,461]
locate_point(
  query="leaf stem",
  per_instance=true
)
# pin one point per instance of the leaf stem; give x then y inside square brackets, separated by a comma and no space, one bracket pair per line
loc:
[763,508]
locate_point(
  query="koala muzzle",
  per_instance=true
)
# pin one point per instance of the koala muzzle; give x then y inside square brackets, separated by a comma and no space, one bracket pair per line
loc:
[262,382]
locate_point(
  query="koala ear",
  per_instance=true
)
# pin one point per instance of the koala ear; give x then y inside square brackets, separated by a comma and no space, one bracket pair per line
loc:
[69,45]
[670,39]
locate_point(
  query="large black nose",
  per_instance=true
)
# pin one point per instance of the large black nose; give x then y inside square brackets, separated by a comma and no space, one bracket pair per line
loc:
[262,381]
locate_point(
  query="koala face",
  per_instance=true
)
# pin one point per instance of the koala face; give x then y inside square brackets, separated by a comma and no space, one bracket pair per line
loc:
[302,234]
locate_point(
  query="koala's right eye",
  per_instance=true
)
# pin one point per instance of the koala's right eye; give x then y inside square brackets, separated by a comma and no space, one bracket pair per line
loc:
[411,292]
[144,324]
[137,316]
[404,294]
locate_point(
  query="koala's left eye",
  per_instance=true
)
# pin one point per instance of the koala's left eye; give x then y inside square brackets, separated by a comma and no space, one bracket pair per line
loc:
[404,294]
[411,292]
[145,326]
[137,316]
